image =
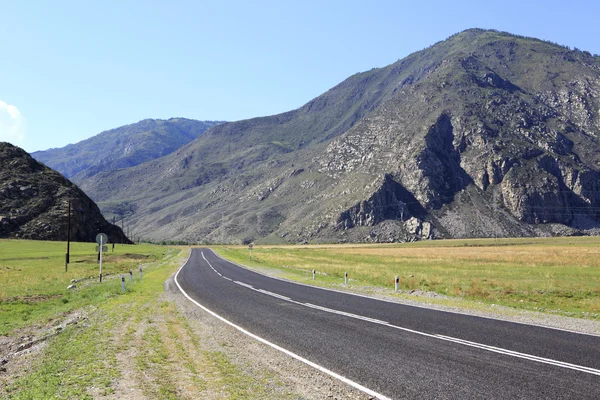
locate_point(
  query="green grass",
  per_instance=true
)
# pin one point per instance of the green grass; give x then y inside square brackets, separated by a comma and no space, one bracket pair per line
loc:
[560,275]
[34,281]
[80,358]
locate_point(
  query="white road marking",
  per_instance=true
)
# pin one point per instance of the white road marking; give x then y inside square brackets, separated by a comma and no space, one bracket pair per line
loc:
[346,314]
[276,347]
[210,265]
[522,355]
[274,294]
[244,284]
[481,346]
[403,304]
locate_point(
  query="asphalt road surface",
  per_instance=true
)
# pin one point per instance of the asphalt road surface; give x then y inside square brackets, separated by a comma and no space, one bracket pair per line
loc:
[394,350]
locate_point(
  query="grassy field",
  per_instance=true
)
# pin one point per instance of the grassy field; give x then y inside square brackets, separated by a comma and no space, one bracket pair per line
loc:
[560,275]
[34,281]
[136,344]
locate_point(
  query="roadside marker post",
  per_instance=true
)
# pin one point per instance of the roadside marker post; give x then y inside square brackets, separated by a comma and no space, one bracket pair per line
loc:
[250,248]
[122,283]
[346,277]
[397,280]
[140,272]
[130,276]
[314,274]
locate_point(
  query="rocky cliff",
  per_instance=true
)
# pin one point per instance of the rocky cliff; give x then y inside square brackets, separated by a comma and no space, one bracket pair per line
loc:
[523,142]
[34,203]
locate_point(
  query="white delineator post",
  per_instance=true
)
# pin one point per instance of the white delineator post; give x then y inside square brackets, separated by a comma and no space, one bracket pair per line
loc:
[346,277]
[397,280]
[314,274]
[140,272]
[130,276]
[122,283]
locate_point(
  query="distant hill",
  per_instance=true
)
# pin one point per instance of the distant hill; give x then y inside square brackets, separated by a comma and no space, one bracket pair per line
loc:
[123,147]
[34,203]
[483,134]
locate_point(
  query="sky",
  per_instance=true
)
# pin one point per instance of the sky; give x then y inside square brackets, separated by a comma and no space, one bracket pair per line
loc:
[72,69]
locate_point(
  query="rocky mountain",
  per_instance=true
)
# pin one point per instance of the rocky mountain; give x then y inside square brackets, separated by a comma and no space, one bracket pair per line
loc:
[483,134]
[123,147]
[34,203]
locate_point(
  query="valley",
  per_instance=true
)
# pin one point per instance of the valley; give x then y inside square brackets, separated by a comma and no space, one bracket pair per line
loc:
[429,228]
[152,341]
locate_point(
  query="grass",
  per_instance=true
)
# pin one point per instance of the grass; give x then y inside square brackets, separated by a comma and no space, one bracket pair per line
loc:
[34,281]
[560,275]
[134,344]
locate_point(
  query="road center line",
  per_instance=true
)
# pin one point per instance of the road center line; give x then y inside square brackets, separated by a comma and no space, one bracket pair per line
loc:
[463,342]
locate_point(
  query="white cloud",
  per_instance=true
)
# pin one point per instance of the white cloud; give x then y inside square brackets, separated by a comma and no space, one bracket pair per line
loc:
[12,124]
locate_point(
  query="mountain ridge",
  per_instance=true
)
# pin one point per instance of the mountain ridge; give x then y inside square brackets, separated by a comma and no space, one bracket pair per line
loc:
[485,133]
[123,147]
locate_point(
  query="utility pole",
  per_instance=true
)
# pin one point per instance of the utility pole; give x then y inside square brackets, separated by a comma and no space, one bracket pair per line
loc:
[68,238]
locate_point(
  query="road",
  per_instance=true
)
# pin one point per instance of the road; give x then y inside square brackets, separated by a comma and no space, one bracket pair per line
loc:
[393,350]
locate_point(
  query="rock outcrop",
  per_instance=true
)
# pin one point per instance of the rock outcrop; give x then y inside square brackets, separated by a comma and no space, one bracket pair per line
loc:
[34,203]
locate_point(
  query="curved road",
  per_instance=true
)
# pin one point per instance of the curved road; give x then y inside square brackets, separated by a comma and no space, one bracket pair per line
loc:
[395,350]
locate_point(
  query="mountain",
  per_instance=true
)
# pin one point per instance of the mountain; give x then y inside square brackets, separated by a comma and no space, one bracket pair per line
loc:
[483,134]
[34,203]
[123,147]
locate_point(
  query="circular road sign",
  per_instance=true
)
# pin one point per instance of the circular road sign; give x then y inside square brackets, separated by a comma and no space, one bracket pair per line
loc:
[101,238]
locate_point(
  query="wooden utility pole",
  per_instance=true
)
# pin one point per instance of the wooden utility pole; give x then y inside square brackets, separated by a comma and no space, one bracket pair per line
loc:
[68,238]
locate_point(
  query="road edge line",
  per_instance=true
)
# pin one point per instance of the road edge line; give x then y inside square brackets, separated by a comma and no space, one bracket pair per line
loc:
[276,347]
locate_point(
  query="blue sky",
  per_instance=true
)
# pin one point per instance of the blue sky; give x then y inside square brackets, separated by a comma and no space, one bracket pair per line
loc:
[71,69]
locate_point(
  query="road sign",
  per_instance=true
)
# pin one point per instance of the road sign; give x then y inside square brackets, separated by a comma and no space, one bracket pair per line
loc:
[104,249]
[101,238]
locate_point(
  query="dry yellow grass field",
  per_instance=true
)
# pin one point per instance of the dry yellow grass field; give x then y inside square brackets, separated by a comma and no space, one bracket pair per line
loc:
[545,274]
